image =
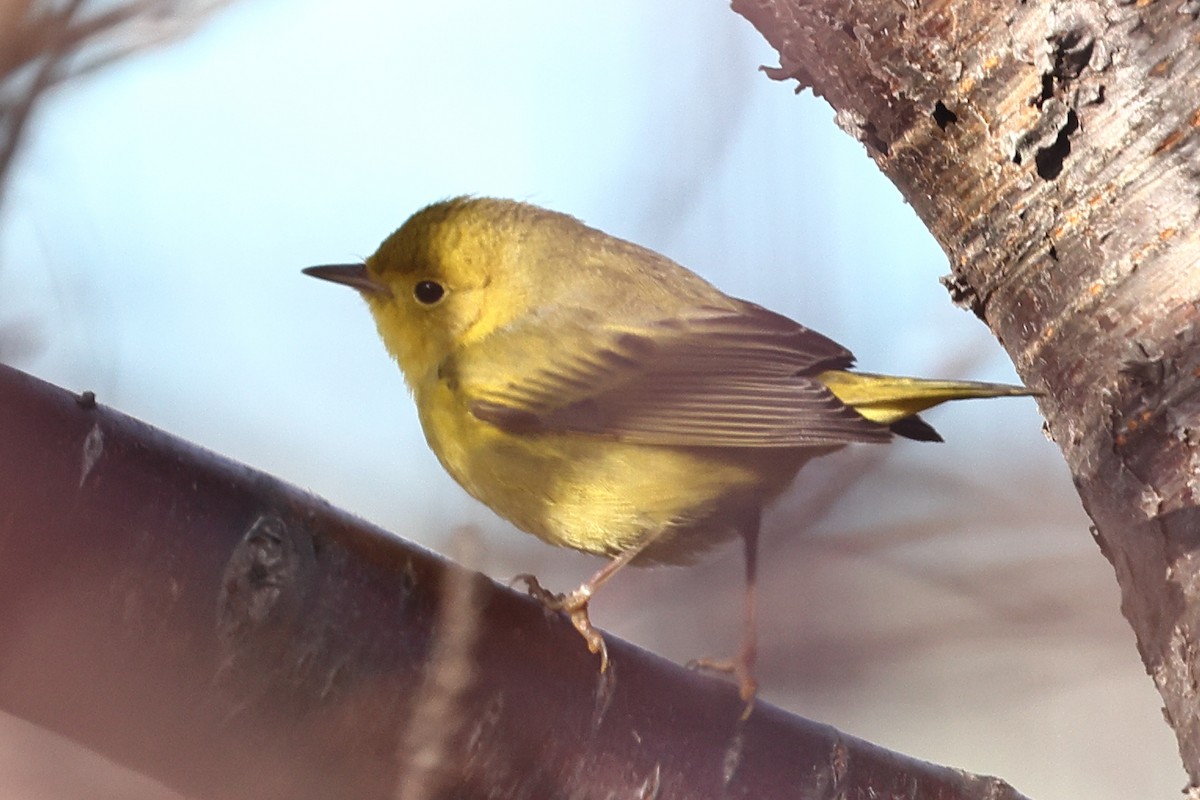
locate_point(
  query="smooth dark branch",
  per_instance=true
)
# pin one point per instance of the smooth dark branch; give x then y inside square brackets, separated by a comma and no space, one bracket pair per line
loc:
[232,636]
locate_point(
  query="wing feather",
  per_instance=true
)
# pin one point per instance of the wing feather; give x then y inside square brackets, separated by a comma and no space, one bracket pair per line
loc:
[729,377]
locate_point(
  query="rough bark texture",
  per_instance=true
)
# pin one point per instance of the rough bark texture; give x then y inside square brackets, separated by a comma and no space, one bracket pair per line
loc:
[237,638]
[1053,148]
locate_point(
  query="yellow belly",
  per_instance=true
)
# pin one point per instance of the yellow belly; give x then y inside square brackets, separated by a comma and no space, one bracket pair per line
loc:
[603,496]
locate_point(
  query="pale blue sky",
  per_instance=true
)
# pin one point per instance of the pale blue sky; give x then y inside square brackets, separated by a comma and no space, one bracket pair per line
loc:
[161,210]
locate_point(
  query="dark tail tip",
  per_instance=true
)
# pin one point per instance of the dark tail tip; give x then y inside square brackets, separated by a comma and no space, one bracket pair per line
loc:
[915,428]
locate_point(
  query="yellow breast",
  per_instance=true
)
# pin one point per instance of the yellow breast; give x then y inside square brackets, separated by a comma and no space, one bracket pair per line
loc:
[598,495]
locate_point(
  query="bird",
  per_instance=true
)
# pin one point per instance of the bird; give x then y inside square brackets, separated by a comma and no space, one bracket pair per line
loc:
[604,398]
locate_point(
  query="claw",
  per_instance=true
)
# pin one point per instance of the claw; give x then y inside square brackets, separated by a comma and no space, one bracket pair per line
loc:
[595,642]
[740,669]
[535,590]
[575,605]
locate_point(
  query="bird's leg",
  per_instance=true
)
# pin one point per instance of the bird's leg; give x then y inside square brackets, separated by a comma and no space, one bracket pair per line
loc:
[575,602]
[742,665]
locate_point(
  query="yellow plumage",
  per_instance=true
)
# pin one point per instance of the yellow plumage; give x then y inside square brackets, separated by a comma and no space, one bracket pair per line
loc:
[888,398]
[604,398]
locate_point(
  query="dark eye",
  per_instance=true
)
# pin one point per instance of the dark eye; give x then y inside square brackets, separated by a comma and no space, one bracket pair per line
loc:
[428,292]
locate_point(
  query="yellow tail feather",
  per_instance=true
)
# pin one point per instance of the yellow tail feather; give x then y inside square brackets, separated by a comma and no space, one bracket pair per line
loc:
[886,398]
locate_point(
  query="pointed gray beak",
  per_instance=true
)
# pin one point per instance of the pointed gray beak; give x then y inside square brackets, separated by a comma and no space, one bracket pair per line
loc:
[353,275]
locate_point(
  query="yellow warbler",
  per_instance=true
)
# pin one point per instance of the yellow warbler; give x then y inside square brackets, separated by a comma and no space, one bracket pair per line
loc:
[604,398]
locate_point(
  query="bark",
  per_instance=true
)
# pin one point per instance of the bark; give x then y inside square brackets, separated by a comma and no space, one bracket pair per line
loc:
[234,637]
[1053,148]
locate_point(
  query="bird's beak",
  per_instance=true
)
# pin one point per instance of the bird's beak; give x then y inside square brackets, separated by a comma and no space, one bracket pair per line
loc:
[353,275]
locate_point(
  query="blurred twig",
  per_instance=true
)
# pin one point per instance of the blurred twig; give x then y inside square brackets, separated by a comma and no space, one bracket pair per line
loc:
[45,43]
[440,712]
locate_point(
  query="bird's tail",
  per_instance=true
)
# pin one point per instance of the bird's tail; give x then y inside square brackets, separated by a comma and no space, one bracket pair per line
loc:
[895,401]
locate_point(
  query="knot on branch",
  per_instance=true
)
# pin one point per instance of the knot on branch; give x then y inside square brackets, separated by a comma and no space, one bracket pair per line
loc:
[1070,51]
[1049,141]
[262,591]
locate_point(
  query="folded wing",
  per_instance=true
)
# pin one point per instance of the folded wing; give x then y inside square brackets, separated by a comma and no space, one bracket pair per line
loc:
[719,377]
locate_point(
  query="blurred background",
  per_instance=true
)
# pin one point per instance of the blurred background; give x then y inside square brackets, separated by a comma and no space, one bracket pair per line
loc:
[943,600]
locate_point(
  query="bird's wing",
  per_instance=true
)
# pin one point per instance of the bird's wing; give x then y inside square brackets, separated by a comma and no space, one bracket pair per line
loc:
[717,377]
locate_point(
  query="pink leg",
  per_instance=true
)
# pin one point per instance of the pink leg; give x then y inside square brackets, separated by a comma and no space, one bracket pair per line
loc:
[575,603]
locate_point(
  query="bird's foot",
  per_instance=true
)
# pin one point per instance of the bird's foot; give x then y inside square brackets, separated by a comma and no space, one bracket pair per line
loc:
[538,592]
[575,605]
[741,669]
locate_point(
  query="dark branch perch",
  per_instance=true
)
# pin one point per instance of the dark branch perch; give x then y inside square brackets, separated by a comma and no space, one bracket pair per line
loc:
[1052,148]
[234,637]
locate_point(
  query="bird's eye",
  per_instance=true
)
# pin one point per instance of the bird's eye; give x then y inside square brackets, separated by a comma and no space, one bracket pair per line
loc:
[428,292]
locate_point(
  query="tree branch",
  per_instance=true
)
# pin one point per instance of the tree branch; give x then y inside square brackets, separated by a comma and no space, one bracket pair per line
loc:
[1051,147]
[234,637]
